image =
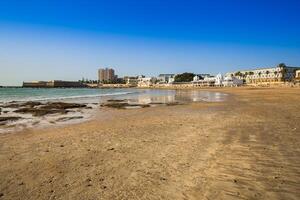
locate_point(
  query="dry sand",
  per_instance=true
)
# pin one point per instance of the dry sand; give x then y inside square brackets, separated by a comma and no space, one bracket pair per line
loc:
[245,148]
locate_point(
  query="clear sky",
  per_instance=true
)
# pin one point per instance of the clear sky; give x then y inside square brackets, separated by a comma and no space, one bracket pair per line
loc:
[69,39]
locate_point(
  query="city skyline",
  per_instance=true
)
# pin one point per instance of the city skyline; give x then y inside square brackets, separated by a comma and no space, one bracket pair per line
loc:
[40,40]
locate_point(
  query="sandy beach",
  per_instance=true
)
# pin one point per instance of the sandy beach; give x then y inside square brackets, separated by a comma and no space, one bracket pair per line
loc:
[246,147]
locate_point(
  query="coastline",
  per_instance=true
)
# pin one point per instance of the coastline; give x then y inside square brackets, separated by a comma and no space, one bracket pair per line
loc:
[245,147]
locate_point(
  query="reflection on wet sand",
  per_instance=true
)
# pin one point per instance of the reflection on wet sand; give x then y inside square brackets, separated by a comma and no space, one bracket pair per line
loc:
[170,96]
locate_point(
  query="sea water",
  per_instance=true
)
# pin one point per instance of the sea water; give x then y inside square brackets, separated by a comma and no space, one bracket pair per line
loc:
[86,95]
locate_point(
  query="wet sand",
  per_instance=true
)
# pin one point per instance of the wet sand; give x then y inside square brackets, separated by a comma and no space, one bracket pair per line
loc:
[244,148]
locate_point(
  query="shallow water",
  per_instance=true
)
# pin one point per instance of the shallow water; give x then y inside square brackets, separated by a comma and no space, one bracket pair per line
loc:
[91,97]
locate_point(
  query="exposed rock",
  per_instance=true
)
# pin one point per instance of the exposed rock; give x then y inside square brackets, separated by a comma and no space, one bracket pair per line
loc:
[116,105]
[120,105]
[40,111]
[30,104]
[173,103]
[116,100]
[156,103]
[4,119]
[62,105]
[63,119]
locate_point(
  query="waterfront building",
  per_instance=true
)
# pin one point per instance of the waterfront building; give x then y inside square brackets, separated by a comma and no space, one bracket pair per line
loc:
[297,74]
[106,75]
[280,73]
[208,81]
[231,81]
[35,84]
[146,81]
[53,84]
[219,80]
[131,80]
[59,83]
[165,78]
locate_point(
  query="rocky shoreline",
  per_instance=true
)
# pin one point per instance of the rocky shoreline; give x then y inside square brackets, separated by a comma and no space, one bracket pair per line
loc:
[32,113]
[15,113]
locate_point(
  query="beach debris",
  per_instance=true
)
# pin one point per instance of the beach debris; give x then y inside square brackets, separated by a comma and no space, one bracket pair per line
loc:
[21,183]
[110,149]
[89,180]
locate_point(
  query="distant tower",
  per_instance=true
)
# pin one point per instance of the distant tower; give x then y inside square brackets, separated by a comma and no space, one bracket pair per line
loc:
[106,75]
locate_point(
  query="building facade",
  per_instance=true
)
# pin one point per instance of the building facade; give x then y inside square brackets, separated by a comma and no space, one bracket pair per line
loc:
[131,80]
[297,74]
[106,75]
[146,81]
[53,84]
[265,75]
[165,78]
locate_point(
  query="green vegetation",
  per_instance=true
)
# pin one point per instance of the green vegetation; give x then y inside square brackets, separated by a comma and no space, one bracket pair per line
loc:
[185,77]
[281,65]
[238,73]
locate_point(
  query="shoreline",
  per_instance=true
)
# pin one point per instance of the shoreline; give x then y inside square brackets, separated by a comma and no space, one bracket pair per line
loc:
[240,148]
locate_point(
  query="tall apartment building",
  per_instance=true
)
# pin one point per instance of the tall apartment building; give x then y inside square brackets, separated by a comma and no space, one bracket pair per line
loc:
[106,75]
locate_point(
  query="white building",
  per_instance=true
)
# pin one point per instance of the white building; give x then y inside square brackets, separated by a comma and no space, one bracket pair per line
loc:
[131,80]
[281,73]
[146,81]
[165,78]
[230,81]
[297,74]
[219,80]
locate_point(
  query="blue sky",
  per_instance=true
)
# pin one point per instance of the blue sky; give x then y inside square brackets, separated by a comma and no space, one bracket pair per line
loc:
[45,40]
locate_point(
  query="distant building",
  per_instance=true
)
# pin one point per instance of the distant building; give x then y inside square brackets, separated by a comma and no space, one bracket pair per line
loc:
[297,74]
[59,83]
[106,75]
[53,84]
[165,78]
[231,81]
[35,84]
[201,76]
[208,81]
[281,73]
[131,80]
[216,81]
[146,81]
